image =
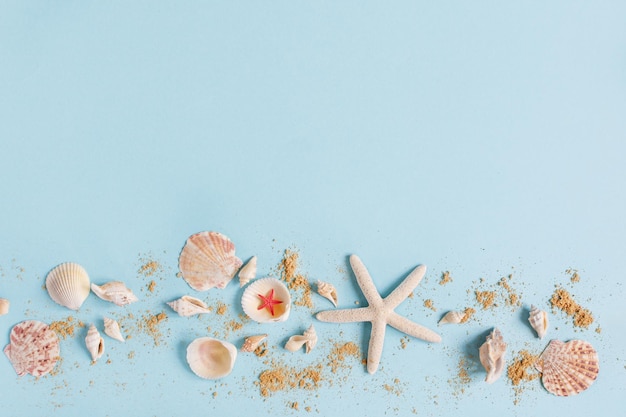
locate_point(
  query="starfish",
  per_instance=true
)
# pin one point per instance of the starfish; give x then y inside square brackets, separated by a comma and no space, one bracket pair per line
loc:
[268,301]
[380,311]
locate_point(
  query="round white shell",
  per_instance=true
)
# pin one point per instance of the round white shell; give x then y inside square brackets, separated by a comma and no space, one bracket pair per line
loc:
[250,301]
[211,358]
[68,285]
[34,348]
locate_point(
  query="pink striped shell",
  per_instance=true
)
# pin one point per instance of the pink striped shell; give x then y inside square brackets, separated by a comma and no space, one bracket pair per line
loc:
[33,348]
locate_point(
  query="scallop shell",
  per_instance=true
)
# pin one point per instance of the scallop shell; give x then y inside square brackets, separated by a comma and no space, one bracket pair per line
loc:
[115,292]
[211,358]
[33,349]
[94,343]
[568,368]
[112,329]
[188,306]
[308,339]
[248,272]
[327,290]
[208,260]
[492,354]
[252,303]
[68,285]
[539,321]
[452,317]
[4,306]
[252,342]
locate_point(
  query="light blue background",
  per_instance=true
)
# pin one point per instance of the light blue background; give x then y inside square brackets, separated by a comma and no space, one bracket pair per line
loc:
[477,137]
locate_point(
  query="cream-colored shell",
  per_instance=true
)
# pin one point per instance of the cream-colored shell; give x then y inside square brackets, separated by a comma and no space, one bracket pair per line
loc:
[308,339]
[115,292]
[248,272]
[112,329]
[452,317]
[211,358]
[94,343]
[33,349]
[539,321]
[327,290]
[568,368]
[208,260]
[68,285]
[187,306]
[492,354]
[250,300]
[252,342]
[4,306]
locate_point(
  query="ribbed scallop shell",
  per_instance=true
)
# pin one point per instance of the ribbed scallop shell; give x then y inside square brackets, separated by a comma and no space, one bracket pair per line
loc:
[208,260]
[452,317]
[189,306]
[68,285]
[4,306]
[539,321]
[94,343]
[115,292]
[248,272]
[327,290]
[33,349]
[252,342]
[250,300]
[491,355]
[568,368]
[112,329]
[211,358]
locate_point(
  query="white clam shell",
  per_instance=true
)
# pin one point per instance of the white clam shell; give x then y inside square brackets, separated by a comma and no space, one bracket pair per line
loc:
[189,306]
[492,354]
[94,343]
[4,306]
[115,292]
[539,321]
[211,358]
[248,272]
[68,285]
[33,349]
[327,290]
[112,329]
[251,301]
[208,260]
[308,339]
[452,317]
[252,342]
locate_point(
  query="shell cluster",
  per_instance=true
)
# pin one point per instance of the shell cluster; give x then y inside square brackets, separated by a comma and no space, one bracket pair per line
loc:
[34,348]
[491,355]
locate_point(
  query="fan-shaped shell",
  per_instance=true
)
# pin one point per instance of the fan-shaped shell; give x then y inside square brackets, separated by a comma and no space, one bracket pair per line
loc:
[568,368]
[248,272]
[308,339]
[452,317]
[211,358]
[115,292]
[33,349]
[208,260]
[252,342]
[252,302]
[94,343]
[68,285]
[112,329]
[539,321]
[188,306]
[4,306]
[491,355]
[327,290]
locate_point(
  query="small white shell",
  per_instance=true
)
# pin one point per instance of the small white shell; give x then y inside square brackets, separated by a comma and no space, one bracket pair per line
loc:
[308,339]
[452,317]
[492,354]
[211,358]
[4,306]
[188,306]
[251,301]
[94,343]
[68,285]
[248,272]
[252,342]
[112,329]
[539,321]
[327,290]
[115,292]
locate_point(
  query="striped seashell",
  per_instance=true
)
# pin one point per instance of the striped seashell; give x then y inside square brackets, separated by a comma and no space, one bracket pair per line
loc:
[68,285]
[33,349]
[452,317]
[115,292]
[112,329]
[491,355]
[539,321]
[189,306]
[248,272]
[327,290]
[94,343]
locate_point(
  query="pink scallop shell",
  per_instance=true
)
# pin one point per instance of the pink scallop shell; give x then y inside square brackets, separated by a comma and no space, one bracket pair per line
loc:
[33,348]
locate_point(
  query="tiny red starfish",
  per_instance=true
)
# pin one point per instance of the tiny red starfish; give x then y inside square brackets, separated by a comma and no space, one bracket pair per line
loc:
[268,301]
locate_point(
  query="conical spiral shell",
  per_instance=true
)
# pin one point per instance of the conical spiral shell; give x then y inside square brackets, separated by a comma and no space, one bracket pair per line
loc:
[94,343]
[115,292]
[327,290]
[308,339]
[33,349]
[112,329]
[68,285]
[208,260]
[539,321]
[248,272]
[492,354]
[211,358]
[568,368]
[452,317]
[252,342]
[189,306]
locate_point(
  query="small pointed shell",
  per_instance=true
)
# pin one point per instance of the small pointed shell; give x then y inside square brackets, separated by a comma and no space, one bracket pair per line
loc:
[568,368]
[94,343]
[115,292]
[250,300]
[211,358]
[112,329]
[327,290]
[188,306]
[4,306]
[252,342]
[33,349]
[492,354]
[68,285]
[539,321]
[308,339]
[248,272]
[452,317]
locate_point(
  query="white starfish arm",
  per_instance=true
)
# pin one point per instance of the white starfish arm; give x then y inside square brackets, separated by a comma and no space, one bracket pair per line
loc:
[412,329]
[403,290]
[375,349]
[366,284]
[346,316]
